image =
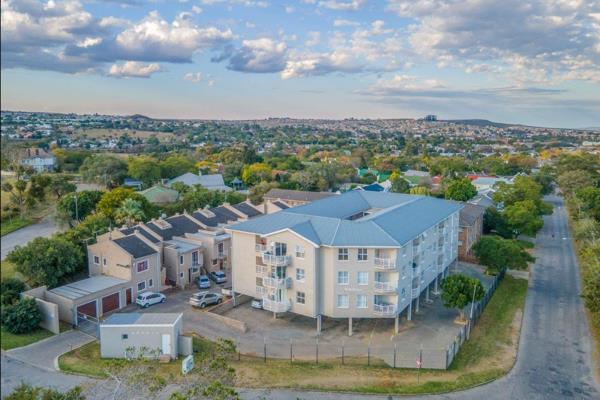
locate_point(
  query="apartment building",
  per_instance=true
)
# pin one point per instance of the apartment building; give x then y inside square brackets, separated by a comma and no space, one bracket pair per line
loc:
[470,230]
[360,254]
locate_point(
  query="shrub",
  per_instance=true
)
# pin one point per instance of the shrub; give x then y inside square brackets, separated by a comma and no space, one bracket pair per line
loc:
[22,317]
[28,392]
[10,289]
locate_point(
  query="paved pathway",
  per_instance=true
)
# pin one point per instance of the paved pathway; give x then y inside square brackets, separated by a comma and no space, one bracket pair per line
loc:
[554,360]
[44,228]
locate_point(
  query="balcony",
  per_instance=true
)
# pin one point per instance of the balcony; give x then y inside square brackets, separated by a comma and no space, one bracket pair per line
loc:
[388,310]
[416,271]
[276,306]
[385,287]
[260,248]
[277,283]
[221,255]
[385,263]
[275,261]
[416,292]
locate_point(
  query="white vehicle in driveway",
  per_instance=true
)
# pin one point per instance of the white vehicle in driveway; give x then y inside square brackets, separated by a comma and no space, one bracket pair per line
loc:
[256,303]
[148,299]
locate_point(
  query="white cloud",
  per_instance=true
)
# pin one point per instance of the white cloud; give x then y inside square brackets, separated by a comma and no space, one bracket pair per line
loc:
[314,38]
[259,55]
[351,5]
[134,69]
[193,77]
[345,22]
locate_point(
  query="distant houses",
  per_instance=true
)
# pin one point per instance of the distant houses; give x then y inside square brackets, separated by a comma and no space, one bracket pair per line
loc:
[38,159]
[210,182]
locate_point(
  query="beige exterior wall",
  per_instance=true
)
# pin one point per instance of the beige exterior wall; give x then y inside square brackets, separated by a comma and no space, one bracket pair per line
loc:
[213,259]
[182,274]
[112,260]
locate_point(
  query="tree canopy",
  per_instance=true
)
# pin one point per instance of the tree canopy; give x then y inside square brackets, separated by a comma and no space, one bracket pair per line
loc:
[498,254]
[460,189]
[104,170]
[459,290]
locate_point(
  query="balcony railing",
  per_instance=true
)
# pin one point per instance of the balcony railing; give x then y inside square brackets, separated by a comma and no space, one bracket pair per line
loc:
[221,255]
[277,283]
[384,309]
[275,261]
[385,263]
[385,287]
[416,292]
[275,306]
[260,248]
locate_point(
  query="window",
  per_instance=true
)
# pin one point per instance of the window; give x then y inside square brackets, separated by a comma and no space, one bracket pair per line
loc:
[363,278]
[300,251]
[342,301]
[96,260]
[142,266]
[343,254]
[141,285]
[361,301]
[342,278]
[150,283]
[259,281]
[195,258]
[362,254]
[300,298]
[104,261]
[124,336]
[180,260]
[403,293]
[181,274]
[300,274]
[280,249]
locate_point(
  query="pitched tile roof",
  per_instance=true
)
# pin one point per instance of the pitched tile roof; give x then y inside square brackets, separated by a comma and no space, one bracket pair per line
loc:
[179,226]
[470,213]
[134,246]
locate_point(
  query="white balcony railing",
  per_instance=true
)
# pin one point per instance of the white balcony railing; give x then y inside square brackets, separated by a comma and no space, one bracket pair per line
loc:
[416,292]
[384,309]
[276,306]
[275,261]
[260,248]
[277,283]
[385,263]
[385,287]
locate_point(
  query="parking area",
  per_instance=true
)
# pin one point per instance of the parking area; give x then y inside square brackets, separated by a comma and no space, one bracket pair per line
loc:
[433,327]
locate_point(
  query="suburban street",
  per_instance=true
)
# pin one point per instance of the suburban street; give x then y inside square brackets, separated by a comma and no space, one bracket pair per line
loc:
[45,228]
[555,355]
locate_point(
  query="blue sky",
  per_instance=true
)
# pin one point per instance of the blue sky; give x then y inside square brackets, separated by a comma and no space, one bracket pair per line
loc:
[535,62]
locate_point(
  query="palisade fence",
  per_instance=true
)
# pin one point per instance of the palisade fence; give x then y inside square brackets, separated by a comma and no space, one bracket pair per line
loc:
[393,355]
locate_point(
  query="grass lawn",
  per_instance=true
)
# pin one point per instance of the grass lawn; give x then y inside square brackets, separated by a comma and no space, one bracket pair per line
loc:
[10,340]
[490,353]
[12,225]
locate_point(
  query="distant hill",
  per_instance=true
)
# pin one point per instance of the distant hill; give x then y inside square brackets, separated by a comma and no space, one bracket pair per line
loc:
[478,122]
[140,116]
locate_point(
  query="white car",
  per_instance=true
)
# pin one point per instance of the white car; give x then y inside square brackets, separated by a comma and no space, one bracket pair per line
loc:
[147,299]
[256,303]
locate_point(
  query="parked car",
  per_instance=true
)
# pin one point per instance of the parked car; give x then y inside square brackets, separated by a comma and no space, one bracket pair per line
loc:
[203,282]
[256,303]
[218,276]
[148,299]
[227,291]
[203,299]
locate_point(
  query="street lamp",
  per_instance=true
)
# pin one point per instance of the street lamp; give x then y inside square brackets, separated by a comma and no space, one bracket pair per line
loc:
[76,208]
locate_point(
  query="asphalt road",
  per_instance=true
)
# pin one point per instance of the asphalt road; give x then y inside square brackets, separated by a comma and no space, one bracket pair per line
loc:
[44,228]
[555,356]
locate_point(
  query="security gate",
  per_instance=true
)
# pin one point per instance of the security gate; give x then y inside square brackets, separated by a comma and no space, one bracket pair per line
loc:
[88,324]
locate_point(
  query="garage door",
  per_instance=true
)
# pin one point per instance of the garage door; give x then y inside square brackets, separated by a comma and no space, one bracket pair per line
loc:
[110,303]
[88,308]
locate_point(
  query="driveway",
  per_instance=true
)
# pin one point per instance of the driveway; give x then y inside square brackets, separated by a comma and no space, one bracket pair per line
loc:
[45,228]
[555,354]
[36,364]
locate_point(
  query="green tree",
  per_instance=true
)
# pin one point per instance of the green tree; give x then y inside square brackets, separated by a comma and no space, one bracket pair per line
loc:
[572,181]
[399,183]
[258,191]
[591,287]
[27,392]
[459,290]
[111,201]
[104,170]
[21,317]
[460,189]
[47,261]
[144,169]
[523,217]
[176,165]
[495,222]
[86,204]
[255,173]
[10,289]
[85,232]
[130,212]
[419,190]
[59,186]
[498,254]
[17,190]
[590,201]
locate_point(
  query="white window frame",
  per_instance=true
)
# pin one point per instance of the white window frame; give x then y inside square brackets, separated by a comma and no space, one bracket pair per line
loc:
[137,266]
[339,304]
[300,274]
[366,302]
[362,273]
[143,283]
[343,281]
[303,297]
[362,252]
[181,259]
[300,251]
[97,260]
[343,254]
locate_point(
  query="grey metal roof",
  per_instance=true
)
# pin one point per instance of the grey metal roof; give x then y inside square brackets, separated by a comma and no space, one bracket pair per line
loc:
[391,219]
[134,246]
[183,246]
[281,205]
[142,319]
[87,286]
[297,195]
[180,225]
[141,231]
[211,182]
[247,209]
[470,213]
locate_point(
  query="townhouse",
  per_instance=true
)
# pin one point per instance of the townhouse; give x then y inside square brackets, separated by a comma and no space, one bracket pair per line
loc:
[360,254]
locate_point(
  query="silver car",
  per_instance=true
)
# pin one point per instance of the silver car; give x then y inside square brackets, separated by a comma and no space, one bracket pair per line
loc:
[203,299]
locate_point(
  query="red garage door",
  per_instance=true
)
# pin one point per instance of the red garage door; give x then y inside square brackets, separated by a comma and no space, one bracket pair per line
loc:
[88,308]
[110,303]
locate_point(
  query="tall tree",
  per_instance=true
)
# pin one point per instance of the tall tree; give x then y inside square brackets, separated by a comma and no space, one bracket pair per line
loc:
[460,290]
[130,212]
[524,218]
[104,170]
[498,254]
[460,189]
[144,169]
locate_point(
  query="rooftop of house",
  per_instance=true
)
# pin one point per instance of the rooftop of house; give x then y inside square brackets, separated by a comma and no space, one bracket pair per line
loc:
[470,213]
[246,209]
[296,195]
[177,225]
[212,182]
[356,218]
[160,194]
[182,246]
[142,319]
[143,232]
[87,286]
[32,152]
[134,246]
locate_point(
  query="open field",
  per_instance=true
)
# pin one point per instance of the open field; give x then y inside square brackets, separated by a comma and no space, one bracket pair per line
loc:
[489,353]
